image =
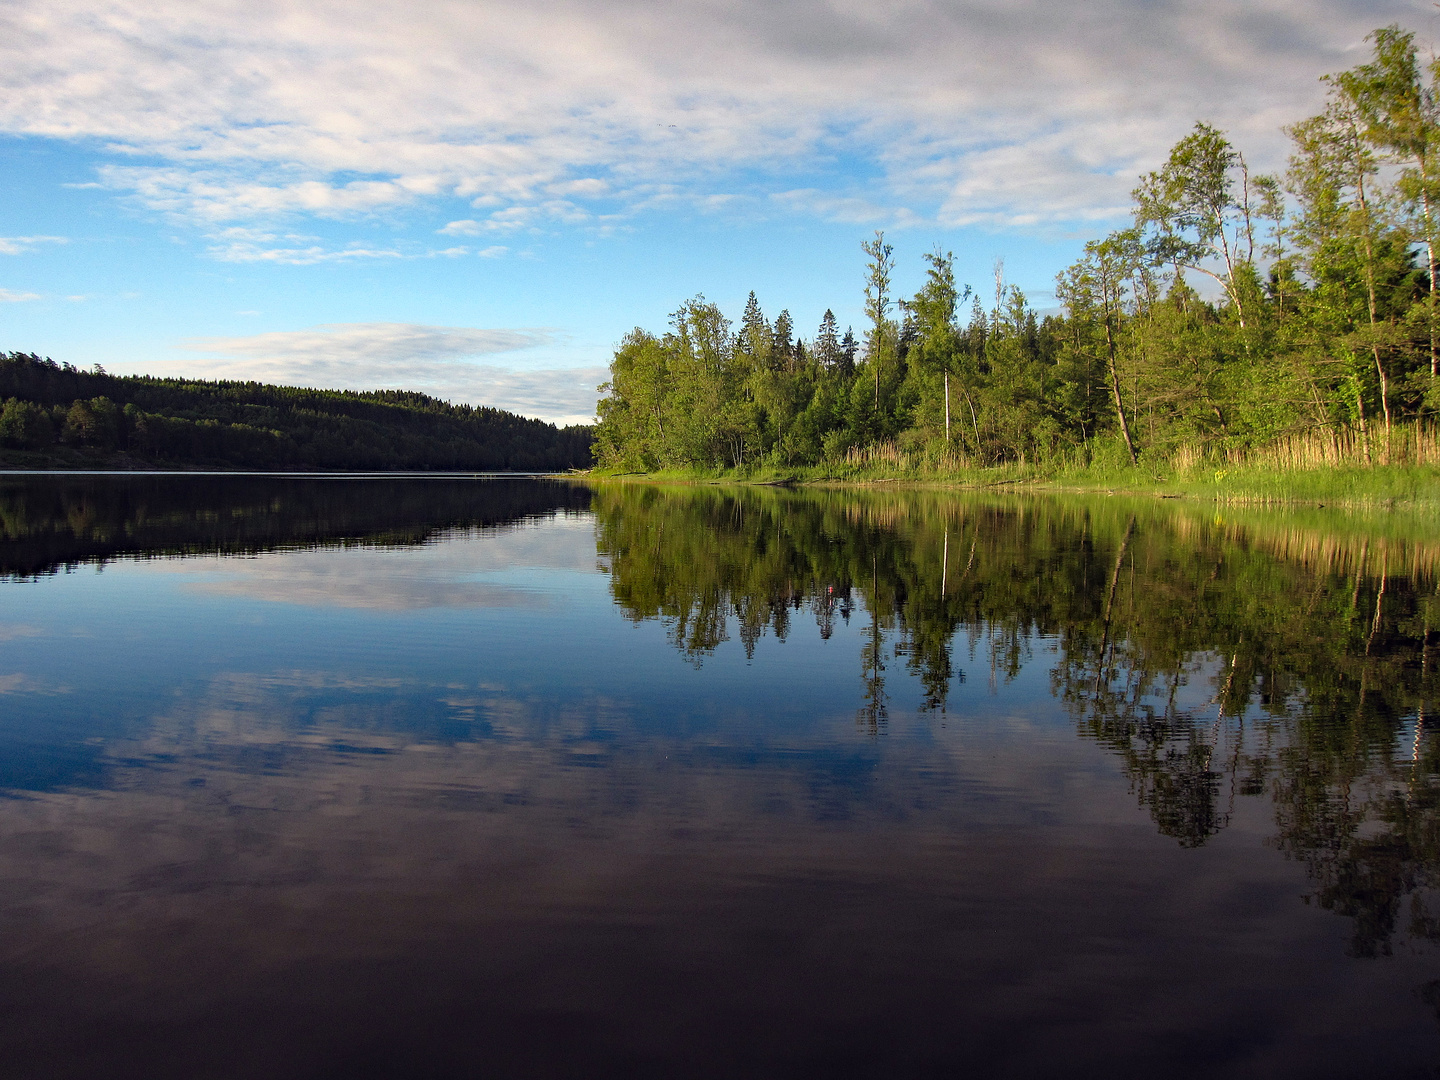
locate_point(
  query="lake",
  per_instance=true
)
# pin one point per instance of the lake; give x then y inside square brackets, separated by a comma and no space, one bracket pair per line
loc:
[442,777]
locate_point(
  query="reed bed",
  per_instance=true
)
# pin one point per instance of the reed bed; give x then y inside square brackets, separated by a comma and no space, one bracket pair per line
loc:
[1407,444]
[1331,467]
[879,455]
[1404,445]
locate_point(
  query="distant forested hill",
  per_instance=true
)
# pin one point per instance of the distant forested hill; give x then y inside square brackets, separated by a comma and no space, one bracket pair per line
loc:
[56,415]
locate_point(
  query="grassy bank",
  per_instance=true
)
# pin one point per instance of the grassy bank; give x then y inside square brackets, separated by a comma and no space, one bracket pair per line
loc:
[1316,468]
[1261,482]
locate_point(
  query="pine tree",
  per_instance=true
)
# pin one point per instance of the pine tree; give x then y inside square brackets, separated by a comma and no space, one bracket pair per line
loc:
[755,339]
[827,342]
[849,350]
[781,341]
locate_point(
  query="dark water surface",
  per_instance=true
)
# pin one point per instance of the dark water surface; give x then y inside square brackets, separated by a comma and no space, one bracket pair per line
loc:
[352,778]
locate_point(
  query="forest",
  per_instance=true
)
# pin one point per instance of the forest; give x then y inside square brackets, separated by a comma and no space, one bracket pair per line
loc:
[57,415]
[1236,312]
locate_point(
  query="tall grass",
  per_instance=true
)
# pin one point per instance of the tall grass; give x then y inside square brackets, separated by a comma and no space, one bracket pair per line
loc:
[887,455]
[1405,445]
[1408,444]
[1339,467]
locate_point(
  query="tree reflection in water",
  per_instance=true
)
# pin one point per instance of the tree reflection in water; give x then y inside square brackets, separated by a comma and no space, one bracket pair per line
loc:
[1286,657]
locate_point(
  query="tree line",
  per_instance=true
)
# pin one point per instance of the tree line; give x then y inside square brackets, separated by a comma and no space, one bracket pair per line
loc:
[55,413]
[1234,309]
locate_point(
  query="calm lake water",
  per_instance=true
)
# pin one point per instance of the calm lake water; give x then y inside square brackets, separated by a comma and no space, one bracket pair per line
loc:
[448,778]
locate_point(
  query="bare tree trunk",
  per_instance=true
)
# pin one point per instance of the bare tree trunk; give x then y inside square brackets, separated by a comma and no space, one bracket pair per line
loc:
[1370,298]
[947,408]
[1115,390]
[1420,711]
[1229,282]
[1379,599]
[1110,603]
[1384,398]
[1429,257]
[974,420]
[1364,428]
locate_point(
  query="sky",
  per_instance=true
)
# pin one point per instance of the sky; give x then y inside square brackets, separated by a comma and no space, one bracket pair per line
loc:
[479,198]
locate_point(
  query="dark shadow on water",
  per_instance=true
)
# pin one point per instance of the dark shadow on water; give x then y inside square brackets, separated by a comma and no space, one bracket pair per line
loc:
[50,523]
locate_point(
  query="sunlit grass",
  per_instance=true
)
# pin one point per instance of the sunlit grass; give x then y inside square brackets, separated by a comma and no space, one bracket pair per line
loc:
[1316,469]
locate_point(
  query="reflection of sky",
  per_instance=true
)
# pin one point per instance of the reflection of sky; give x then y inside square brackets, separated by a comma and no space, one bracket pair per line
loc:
[239,776]
[406,639]
[526,606]
[499,638]
[513,567]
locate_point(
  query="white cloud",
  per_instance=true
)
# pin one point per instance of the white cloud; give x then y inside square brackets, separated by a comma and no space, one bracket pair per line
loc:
[585,187]
[242,252]
[370,343]
[444,361]
[247,245]
[16,245]
[1045,180]
[999,112]
[852,210]
[9,297]
[478,570]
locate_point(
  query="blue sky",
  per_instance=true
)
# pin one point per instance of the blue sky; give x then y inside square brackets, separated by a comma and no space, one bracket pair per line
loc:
[478,198]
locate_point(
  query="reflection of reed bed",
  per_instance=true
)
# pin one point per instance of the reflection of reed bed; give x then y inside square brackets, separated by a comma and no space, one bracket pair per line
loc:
[926,515]
[1349,555]
[1373,543]
[891,516]
[1368,546]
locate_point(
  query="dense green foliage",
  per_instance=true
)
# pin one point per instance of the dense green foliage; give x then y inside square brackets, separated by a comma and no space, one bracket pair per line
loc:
[1286,658]
[246,425]
[1317,319]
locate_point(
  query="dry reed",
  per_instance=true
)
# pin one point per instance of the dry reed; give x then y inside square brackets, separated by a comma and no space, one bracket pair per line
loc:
[886,453]
[1407,444]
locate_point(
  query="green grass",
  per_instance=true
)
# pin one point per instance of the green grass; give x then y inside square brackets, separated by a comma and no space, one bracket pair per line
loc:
[1377,486]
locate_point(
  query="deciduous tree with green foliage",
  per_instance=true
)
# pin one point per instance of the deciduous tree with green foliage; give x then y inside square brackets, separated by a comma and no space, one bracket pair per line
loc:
[1234,311]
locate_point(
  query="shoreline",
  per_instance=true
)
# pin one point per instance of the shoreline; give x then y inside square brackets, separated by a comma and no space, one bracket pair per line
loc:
[1385,488]
[1379,487]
